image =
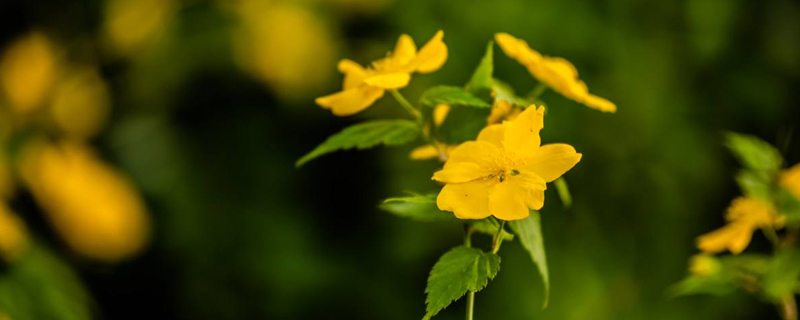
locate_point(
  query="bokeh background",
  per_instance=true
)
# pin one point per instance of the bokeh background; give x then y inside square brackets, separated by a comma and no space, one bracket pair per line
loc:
[195,111]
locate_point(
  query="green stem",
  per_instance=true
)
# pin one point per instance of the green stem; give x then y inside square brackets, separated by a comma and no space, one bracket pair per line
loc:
[406,105]
[498,239]
[537,91]
[470,304]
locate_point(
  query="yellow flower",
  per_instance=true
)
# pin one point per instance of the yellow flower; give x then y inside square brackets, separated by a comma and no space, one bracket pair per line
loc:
[557,73]
[363,86]
[131,24]
[94,208]
[744,216]
[703,265]
[503,173]
[80,103]
[285,45]
[502,110]
[790,179]
[27,70]
[13,234]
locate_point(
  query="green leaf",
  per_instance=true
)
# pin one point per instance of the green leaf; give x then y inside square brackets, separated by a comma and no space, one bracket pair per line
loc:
[754,153]
[366,135]
[503,91]
[416,207]
[459,270]
[451,95]
[789,206]
[462,124]
[695,284]
[481,82]
[529,232]
[754,185]
[783,274]
[563,192]
[490,226]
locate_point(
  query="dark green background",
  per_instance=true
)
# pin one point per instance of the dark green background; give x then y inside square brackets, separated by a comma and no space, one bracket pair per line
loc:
[241,234]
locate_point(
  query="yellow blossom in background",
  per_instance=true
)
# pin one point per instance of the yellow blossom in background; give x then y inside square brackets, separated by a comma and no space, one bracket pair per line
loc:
[557,73]
[790,179]
[504,173]
[80,103]
[502,110]
[285,45]
[744,216]
[131,24]
[363,86]
[94,208]
[28,68]
[703,265]
[13,234]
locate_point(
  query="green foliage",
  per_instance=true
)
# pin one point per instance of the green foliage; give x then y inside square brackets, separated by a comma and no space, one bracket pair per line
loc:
[563,192]
[754,153]
[40,286]
[724,275]
[695,284]
[789,206]
[366,135]
[783,274]
[529,232]
[451,95]
[503,91]
[481,82]
[416,207]
[462,124]
[459,270]
[490,226]
[754,185]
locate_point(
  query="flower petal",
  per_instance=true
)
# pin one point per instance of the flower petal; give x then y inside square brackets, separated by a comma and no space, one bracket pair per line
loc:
[460,172]
[522,134]
[595,102]
[506,203]
[405,50]
[351,101]
[478,152]
[553,160]
[440,113]
[354,73]
[493,134]
[424,153]
[531,188]
[431,56]
[389,80]
[733,236]
[466,200]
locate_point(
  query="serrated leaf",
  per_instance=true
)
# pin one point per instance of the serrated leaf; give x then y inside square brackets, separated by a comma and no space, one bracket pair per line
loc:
[563,192]
[529,233]
[366,135]
[416,207]
[754,153]
[490,226]
[451,95]
[459,270]
[481,82]
[503,91]
[783,274]
[462,124]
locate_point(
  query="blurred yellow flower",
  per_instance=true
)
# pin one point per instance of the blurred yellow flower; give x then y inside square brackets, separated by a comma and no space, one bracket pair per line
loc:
[504,173]
[790,179]
[13,234]
[91,205]
[557,73]
[132,24]
[502,110]
[80,103]
[744,216]
[28,68]
[703,265]
[363,86]
[284,45]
